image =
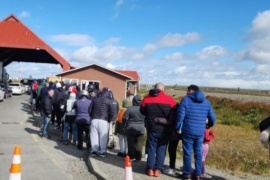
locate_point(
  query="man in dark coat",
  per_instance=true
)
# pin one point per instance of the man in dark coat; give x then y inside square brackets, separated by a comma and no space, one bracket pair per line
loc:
[115,108]
[101,114]
[47,105]
[83,108]
[157,105]
[59,93]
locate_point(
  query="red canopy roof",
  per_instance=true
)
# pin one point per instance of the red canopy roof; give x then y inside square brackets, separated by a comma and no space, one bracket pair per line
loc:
[19,43]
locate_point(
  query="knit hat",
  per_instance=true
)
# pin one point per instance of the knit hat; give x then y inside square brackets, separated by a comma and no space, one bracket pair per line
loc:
[72,95]
[58,85]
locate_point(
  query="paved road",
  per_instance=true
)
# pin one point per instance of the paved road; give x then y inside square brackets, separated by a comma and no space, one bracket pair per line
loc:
[41,159]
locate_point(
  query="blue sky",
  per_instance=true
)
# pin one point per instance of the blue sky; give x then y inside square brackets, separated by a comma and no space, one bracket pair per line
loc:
[209,43]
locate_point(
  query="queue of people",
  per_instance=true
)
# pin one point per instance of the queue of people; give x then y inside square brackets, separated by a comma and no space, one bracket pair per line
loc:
[158,116]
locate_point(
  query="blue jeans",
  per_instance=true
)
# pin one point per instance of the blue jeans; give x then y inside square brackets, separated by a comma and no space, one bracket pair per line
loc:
[191,143]
[68,125]
[156,148]
[46,124]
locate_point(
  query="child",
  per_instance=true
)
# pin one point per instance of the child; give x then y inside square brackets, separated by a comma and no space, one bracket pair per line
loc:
[208,137]
[123,148]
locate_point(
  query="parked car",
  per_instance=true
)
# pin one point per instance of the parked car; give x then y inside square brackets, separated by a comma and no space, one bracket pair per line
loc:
[27,84]
[2,94]
[17,88]
[7,90]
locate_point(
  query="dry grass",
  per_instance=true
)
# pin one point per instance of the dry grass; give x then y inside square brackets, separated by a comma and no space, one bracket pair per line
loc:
[235,148]
[238,150]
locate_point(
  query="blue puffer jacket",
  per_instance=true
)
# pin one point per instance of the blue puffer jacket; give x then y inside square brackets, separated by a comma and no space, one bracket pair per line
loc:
[192,113]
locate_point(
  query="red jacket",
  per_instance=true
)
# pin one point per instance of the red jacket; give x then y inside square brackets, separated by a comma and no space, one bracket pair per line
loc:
[157,105]
[208,136]
[35,86]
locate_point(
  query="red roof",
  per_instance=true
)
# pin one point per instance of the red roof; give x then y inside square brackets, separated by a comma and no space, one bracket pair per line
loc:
[132,74]
[18,43]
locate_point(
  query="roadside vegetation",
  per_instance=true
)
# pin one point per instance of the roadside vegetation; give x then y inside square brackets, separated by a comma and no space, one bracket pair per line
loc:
[236,147]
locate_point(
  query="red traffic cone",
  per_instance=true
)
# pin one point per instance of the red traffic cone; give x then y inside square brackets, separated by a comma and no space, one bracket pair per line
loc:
[15,169]
[128,169]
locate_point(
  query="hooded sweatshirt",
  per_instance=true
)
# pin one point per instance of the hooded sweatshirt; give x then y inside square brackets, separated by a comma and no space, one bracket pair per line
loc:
[133,120]
[40,87]
[192,113]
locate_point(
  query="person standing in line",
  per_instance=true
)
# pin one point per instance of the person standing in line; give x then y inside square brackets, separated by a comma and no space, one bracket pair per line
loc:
[134,128]
[101,114]
[39,100]
[119,129]
[192,113]
[59,93]
[208,137]
[34,94]
[83,108]
[156,107]
[46,112]
[173,144]
[69,120]
[115,108]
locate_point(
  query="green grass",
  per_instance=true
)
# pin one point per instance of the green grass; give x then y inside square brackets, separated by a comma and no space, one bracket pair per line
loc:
[236,146]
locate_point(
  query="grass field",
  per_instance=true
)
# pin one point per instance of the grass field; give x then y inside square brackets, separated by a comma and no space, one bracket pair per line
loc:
[235,149]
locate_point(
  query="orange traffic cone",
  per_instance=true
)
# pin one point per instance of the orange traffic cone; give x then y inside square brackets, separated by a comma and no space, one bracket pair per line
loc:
[15,169]
[128,169]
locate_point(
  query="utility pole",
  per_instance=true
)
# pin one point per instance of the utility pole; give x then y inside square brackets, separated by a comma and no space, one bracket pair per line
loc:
[19,70]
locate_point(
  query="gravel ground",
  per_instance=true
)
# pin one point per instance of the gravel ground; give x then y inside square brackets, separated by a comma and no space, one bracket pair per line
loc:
[79,169]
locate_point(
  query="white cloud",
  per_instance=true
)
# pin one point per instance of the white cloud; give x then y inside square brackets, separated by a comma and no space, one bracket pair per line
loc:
[161,61]
[85,54]
[211,52]
[95,54]
[149,47]
[72,39]
[258,49]
[24,14]
[110,66]
[174,56]
[138,56]
[180,69]
[261,24]
[263,69]
[172,40]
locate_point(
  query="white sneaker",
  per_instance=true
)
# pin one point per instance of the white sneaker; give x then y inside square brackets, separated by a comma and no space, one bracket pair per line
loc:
[145,156]
[170,171]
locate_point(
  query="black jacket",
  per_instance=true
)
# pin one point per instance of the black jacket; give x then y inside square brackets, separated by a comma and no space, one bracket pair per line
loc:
[58,94]
[115,109]
[157,105]
[47,106]
[102,107]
